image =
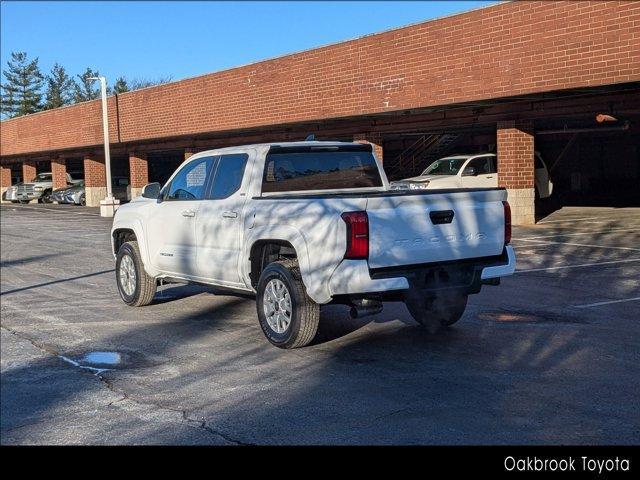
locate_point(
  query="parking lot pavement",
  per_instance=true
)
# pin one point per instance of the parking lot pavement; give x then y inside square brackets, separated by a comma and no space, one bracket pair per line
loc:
[550,356]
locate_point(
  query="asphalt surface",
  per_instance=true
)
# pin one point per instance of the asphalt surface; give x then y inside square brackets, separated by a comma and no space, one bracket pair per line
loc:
[550,356]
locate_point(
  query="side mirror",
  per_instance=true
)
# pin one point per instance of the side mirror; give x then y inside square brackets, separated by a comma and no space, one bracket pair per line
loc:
[151,190]
[469,172]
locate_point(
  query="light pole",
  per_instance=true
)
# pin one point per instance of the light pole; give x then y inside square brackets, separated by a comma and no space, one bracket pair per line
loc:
[108,202]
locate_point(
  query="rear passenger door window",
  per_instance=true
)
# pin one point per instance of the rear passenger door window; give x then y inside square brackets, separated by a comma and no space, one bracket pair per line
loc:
[228,175]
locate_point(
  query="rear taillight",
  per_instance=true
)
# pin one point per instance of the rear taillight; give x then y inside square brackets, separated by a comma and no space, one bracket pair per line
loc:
[357,235]
[507,223]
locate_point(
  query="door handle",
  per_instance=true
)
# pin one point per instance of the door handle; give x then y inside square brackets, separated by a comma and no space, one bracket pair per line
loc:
[188,213]
[230,214]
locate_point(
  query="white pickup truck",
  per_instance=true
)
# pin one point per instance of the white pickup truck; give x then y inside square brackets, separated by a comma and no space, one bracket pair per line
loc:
[304,224]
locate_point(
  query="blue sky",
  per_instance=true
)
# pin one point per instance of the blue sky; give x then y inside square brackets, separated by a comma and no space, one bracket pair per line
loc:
[184,39]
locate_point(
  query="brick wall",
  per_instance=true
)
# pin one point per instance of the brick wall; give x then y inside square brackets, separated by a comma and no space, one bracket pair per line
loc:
[138,170]
[5,176]
[503,50]
[28,170]
[95,173]
[515,145]
[59,172]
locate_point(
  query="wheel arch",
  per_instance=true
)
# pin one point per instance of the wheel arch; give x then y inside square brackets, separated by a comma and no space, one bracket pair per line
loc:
[282,236]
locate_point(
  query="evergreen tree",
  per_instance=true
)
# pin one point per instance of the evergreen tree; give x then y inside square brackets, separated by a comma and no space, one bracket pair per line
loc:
[86,89]
[21,91]
[120,86]
[60,88]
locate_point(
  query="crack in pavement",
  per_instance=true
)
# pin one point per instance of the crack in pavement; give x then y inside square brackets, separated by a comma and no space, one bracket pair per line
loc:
[194,422]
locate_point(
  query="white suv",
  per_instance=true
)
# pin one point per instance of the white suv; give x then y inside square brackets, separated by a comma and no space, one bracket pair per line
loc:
[471,171]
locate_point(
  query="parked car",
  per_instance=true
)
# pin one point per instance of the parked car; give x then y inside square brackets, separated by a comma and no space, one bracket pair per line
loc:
[71,194]
[11,194]
[39,188]
[75,194]
[304,224]
[471,171]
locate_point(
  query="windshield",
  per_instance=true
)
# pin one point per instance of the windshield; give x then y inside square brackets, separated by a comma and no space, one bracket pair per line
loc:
[42,177]
[445,166]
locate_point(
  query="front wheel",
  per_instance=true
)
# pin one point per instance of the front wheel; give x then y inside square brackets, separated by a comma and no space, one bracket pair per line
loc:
[288,317]
[46,197]
[136,287]
[433,313]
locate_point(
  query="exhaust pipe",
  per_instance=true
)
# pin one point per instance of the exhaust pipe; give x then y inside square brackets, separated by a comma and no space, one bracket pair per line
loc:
[364,308]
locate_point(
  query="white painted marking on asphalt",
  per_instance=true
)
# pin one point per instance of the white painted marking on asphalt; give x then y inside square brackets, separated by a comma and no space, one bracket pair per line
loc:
[566,220]
[542,242]
[581,233]
[96,371]
[597,304]
[577,266]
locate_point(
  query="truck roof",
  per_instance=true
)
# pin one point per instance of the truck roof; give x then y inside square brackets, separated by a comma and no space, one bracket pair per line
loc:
[265,146]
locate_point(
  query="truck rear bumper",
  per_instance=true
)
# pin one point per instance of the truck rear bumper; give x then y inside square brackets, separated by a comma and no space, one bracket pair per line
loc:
[353,277]
[501,270]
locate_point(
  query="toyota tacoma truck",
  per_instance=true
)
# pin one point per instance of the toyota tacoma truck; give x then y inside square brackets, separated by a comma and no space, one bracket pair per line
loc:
[304,224]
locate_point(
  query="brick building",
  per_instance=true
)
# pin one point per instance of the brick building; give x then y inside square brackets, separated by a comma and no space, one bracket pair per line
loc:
[512,78]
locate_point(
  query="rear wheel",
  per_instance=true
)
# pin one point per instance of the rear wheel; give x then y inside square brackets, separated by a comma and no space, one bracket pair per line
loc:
[433,313]
[136,287]
[83,201]
[288,317]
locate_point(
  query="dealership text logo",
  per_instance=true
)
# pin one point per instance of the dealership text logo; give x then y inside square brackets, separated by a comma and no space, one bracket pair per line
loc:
[569,464]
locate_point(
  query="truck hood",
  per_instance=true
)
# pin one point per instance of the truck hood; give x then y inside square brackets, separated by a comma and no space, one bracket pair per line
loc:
[429,178]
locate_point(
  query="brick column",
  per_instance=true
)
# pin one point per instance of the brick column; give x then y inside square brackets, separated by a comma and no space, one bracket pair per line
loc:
[138,172]
[374,139]
[95,180]
[59,172]
[28,170]
[515,141]
[5,179]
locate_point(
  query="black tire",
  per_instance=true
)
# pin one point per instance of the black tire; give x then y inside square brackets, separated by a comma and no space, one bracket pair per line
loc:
[83,201]
[305,313]
[23,202]
[45,198]
[145,286]
[434,313]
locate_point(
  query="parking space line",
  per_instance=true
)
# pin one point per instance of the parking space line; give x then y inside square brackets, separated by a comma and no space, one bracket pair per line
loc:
[597,304]
[633,229]
[566,220]
[577,266]
[543,242]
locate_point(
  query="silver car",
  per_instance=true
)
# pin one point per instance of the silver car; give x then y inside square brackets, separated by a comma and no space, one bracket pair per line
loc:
[75,194]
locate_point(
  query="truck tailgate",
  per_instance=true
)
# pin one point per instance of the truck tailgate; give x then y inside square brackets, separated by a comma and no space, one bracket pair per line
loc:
[415,228]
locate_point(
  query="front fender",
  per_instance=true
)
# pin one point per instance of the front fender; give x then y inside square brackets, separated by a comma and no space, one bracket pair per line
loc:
[128,223]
